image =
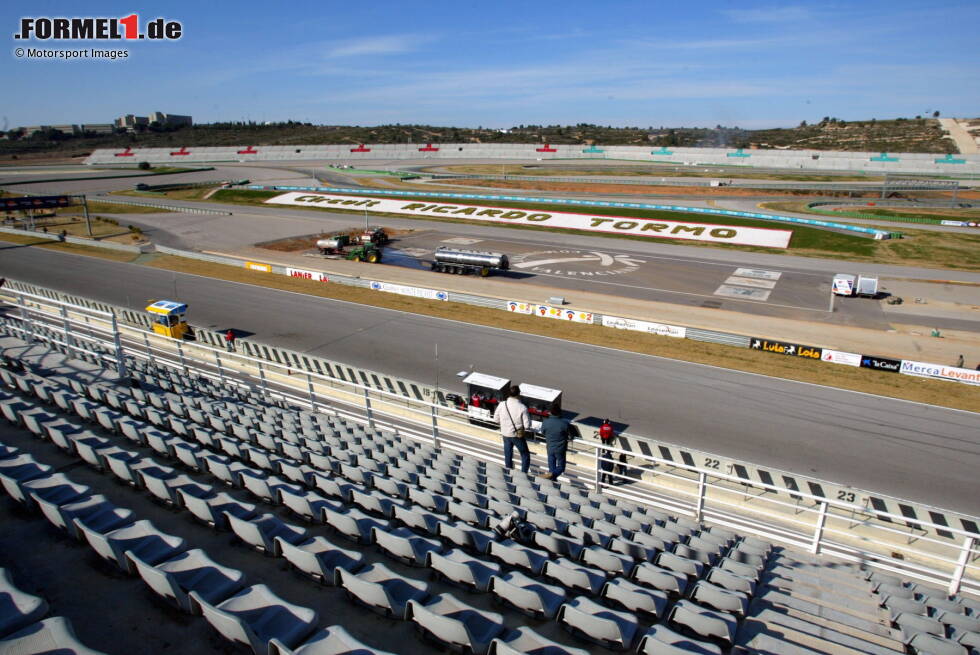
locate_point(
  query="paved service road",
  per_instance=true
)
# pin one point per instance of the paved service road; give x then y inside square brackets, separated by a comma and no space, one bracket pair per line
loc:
[922,453]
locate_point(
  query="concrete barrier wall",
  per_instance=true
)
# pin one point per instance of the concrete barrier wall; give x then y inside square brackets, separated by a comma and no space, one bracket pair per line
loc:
[811,160]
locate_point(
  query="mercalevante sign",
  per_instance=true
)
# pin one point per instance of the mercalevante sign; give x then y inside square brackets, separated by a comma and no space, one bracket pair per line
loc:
[744,236]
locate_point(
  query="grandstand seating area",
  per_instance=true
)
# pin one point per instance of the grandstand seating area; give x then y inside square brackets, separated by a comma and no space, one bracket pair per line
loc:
[191,498]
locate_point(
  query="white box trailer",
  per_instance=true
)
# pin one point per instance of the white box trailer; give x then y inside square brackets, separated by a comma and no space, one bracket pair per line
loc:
[867,285]
[844,284]
[488,391]
[538,401]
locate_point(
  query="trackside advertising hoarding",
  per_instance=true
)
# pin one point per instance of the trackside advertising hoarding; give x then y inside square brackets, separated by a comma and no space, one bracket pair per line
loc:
[746,236]
[645,326]
[924,370]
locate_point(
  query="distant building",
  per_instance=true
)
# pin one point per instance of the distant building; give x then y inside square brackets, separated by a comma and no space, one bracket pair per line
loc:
[98,128]
[171,120]
[129,122]
[70,130]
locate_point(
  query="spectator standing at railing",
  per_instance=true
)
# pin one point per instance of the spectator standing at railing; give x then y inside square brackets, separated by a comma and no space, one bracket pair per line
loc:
[514,423]
[606,434]
[230,340]
[556,436]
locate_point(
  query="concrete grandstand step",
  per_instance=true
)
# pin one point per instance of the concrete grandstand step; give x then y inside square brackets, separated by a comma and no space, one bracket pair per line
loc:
[857,601]
[817,635]
[873,623]
[823,577]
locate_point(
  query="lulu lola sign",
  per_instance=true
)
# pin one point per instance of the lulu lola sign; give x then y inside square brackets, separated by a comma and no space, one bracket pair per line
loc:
[747,236]
[784,348]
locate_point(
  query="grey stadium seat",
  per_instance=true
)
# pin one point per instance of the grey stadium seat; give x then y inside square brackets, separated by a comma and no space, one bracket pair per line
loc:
[454,623]
[635,598]
[15,470]
[381,589]
[418,519]
[97,512]
[57,489]
[608,561]
[319,557]
[527,595]
[466,536]
[406,546]
[18,609]
[190,571]
[354,524]
[255,616]
[525,640]
[678,564]
[142,538]
[575,576]
[910,624]
[957,623]
[514,554]
[702,621]
[47,637]
[716,598]
[307,504]
[634,549]
[558,545]
[661,640]
[588,619]
[730,581]
[213,508]
[651,575]
[929,644]
[329,641]
[460,568]
[261,531]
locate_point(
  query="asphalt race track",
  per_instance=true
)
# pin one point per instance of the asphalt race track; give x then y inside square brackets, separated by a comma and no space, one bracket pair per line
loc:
[922,453]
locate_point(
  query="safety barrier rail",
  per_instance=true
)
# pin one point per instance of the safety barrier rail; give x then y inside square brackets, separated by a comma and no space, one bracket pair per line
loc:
[53,237]
[161,205]
[872,534]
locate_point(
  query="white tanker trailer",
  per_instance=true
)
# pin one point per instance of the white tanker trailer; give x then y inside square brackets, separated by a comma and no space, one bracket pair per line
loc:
[457,260]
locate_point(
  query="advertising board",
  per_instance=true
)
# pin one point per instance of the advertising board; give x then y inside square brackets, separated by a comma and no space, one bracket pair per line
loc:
[926,370]
[881,363]
[644,326]
[786,348]
[840,357]
[319,276]
[402,290]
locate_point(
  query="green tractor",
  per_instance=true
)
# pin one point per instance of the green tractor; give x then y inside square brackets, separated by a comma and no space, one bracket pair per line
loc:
[342,246]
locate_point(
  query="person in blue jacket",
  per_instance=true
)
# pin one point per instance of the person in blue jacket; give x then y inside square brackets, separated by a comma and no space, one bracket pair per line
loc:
[556,436]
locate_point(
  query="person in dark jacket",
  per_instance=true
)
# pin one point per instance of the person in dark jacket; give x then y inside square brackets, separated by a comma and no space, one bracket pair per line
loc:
[556,436]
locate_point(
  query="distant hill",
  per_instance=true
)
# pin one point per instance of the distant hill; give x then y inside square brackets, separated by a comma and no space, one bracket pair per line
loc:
[898,135]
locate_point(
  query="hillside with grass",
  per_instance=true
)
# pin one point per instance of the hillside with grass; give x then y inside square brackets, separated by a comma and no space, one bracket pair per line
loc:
[898,135]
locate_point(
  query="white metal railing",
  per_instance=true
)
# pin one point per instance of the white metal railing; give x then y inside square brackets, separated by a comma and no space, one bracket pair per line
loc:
[816,523]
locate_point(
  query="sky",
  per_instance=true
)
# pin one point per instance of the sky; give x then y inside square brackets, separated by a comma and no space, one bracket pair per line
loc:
[501,64]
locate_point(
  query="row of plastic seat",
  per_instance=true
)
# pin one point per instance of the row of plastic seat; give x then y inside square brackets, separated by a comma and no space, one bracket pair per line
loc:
[24,630]
[930,621]
[189,578]
[574,607]
[162,561]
